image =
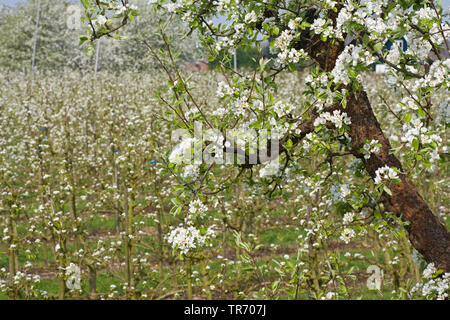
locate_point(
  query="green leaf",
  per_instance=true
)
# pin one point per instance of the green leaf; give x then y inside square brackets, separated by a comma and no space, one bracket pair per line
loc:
[275,285]
[289,144]
[415,144]
[255,125]
[304,25]
[82,40]
[275,31]
[292,67]
[421,113]
[89,49]
[407,117]
[378,46]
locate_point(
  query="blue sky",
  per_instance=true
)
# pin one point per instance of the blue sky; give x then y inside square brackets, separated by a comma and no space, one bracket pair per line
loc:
[8,2]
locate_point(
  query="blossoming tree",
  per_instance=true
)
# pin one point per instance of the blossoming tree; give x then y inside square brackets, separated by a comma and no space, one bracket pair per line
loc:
[342,39]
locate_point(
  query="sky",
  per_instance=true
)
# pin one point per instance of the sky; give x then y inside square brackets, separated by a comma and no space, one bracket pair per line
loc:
[8,2]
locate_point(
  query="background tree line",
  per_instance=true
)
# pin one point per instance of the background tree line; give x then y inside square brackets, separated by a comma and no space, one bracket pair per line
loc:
[58,40]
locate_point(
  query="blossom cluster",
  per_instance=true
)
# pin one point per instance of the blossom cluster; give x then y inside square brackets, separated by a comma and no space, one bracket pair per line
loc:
[197,208]
[439,74]
[318,25]
[309,140]
[371,147]
[386,173]
[423,14]
[340,192]
[408,104]
[350,57]
[270,169]
[443,115]
[320,81]
[181,153]
[191,171]
[415,129]
[434,286]
[224,89]
[119,9]
[337,118]
[347,235]
[416,46]
[286,54]
[187,239]
[348,217]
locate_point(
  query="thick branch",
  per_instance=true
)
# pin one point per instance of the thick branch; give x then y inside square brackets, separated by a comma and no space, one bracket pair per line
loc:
[426,233]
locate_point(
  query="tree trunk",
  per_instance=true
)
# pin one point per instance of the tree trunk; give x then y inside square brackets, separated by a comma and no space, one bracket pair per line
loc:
[426,233]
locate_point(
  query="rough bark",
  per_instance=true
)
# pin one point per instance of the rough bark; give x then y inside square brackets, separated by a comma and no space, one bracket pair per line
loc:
[426,233]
